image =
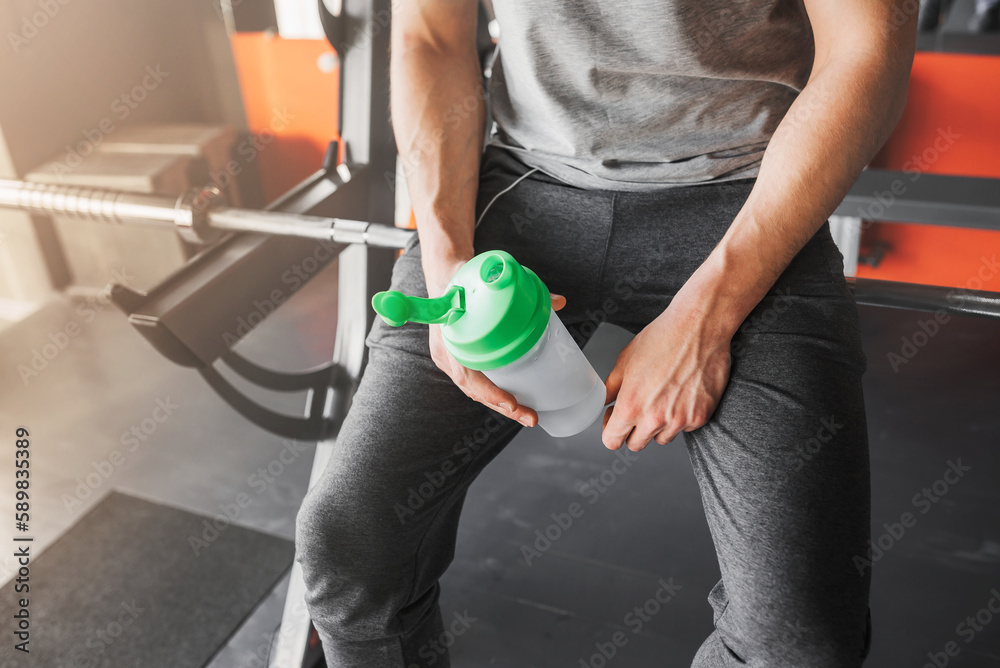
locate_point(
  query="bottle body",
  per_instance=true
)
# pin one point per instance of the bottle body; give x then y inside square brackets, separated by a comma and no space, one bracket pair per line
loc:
[555,379]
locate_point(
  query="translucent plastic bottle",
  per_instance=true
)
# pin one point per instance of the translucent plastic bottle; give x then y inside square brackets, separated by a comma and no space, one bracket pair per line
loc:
[496,317]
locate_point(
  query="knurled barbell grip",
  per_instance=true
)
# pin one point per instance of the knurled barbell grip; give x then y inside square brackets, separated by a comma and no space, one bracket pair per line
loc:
[198,215]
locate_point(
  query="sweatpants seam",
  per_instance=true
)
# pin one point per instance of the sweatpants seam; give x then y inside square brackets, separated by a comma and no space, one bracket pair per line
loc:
[607,246]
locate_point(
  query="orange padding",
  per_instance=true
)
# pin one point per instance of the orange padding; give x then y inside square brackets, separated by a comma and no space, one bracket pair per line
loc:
[951,125]
[289,90]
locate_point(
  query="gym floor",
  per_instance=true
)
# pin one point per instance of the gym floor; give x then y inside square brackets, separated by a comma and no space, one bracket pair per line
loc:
[937,408]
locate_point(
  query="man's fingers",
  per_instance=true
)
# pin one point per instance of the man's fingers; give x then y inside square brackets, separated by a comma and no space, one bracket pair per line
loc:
[482,389]
[616,430]
[664,436]
[607,416]
[477,386]
[638,439]
[558,301]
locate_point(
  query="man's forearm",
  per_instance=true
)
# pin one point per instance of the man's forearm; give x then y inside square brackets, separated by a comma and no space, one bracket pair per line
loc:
[438,118]
[833,129]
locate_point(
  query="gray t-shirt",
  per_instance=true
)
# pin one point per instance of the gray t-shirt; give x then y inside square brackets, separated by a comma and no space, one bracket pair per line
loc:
[646,94]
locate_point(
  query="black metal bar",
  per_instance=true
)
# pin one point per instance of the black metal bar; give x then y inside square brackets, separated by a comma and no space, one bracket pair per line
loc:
[328,384]
[279,381]
[931,298]
[309,428]
[221,294]
[953,35]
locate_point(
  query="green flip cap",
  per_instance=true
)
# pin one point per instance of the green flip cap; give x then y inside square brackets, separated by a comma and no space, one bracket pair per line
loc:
[492,313]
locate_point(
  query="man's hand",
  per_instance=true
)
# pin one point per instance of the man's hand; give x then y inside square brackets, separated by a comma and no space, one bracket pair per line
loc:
[474,384]
[667,380]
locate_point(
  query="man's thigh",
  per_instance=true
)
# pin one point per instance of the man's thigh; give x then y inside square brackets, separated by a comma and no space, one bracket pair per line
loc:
[784,475]
[388,502]
[386,507]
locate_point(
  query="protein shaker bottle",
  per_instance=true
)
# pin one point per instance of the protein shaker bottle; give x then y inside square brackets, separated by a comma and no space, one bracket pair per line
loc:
[496,317]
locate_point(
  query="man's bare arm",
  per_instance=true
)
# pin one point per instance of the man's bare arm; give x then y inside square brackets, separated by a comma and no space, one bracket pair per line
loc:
[439,117]
[672,375]
[853,99]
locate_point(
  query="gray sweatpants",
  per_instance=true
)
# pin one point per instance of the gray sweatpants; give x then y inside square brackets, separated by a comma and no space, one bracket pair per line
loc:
[782,465]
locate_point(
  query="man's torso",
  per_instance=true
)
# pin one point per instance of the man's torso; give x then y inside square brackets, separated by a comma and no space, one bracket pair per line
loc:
[645,94]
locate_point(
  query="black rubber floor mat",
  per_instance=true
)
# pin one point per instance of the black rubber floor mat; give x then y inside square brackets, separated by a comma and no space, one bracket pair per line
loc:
[139,584]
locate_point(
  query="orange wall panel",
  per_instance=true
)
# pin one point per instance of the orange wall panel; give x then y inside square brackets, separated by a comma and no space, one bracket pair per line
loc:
[951,125]
[289,90]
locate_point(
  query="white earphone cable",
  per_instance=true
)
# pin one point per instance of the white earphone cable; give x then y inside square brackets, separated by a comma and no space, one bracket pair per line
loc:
[519,179]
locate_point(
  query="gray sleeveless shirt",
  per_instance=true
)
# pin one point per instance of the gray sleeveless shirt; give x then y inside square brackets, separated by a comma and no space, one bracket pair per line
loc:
[646,94]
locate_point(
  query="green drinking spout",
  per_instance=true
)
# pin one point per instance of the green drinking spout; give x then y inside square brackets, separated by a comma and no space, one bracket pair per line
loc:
[397,308]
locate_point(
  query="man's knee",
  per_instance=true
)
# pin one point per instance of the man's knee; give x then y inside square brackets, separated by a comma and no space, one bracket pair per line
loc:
[319,551]
[313,530]
[346,596]
[348,529]
[331,542]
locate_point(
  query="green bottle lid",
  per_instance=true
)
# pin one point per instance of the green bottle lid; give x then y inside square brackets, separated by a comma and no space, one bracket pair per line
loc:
[492,313]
